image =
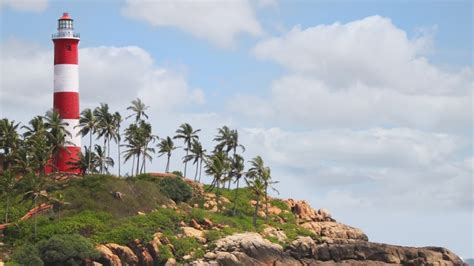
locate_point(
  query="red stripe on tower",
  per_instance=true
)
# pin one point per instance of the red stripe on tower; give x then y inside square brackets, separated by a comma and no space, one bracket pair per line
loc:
[66,91]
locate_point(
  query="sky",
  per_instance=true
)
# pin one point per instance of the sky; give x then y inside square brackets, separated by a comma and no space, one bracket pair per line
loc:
[360,107]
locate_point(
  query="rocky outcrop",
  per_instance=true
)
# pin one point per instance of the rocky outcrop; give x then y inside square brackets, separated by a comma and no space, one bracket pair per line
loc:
[333,230]
[107,257]
[305,213]
[252,249]
[126,255]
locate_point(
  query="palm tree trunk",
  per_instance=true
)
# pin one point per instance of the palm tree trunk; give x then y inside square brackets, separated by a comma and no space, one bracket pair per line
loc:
[6,209]
[256,212]
[168,163]
[228,185]
[138,164]
[118,156]
[196,174]
[235,197]
[133,165]
[35,219]
[266,204]
[90,152]
[186,163]
[102,164]
[200,170]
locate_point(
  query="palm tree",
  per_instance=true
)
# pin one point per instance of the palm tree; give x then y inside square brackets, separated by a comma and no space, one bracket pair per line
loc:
[117,118]
[217,165]
[166,146]
[9,140]
[7,184]
[105,127]
[103,161]
[37,143]
[259,170]
[88,125]
[36,193]
[146,138]
[223,139]
[257,186]
[197,155]
[234,143]
[57,133]
[237,171]
[138,138]
[138,108]
[87,162]
[186,132]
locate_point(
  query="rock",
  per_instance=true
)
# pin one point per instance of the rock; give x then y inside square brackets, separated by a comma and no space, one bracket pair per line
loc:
[192,232]
[273,232]
[210,255]
[154,246]
[324,213]
[302,210]
[126,255]
[187,257]
[107,257]
[272,210]
[302,247]
[195,224]
[170,262]
[141,213]
[207,223]
[335,230]
[144,257]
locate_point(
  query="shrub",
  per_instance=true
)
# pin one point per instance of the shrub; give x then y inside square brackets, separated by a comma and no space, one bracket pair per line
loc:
[184,246]
[175,188]
[66,250]
[27,255]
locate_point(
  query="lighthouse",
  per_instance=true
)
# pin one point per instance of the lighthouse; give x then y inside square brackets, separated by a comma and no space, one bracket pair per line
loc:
[66,90]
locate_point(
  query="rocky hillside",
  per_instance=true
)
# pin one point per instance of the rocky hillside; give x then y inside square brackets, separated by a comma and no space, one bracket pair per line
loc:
[165,221]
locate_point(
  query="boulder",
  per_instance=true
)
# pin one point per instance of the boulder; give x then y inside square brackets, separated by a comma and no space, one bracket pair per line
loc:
[144,257]
[207,223]
[126,255]
[273,232]
[107,257]
[195,224]
[192,232]
[335,230]
[171,262]
[154,246]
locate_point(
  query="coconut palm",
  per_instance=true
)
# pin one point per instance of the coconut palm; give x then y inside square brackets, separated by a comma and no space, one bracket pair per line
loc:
[223,139]
[197,155]
[35,194]
[105,126]
[237,171]
[9,141]
[217,166]
[186,132]
[234,142]
[87,162]
[103,161]
[166,146]
[7,184]
[138,108]
[38,149]
[57,133]
[257,186]
[259,170]
[138,138]
[117,118]
[88,125]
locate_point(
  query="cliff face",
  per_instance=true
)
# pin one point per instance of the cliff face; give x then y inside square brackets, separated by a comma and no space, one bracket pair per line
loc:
[337,244]
[252,249]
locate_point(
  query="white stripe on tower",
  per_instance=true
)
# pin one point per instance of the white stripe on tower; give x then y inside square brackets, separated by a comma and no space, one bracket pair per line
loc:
[66,78]
[72,126]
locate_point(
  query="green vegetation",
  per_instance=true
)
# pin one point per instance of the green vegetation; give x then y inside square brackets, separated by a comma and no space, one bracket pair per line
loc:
[98,208]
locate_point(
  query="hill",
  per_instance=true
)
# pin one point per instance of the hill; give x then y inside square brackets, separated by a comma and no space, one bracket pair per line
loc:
[158,220]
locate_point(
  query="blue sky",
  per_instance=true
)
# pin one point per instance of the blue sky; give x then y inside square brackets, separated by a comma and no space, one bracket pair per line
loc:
[362,107]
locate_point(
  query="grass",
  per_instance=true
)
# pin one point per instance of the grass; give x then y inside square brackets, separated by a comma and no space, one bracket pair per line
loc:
[95,214]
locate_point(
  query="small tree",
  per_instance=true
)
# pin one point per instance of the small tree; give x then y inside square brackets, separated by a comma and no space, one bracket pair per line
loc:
[7,185]
[257,186]
[66,250]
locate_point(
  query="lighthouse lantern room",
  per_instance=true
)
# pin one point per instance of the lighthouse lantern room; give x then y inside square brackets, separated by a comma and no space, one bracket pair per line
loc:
[66,91]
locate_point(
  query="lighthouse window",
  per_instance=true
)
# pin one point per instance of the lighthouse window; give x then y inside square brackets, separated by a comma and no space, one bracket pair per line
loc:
[68,47]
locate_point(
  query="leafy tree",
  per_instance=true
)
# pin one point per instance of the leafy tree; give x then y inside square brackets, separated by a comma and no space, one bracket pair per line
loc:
[217,165]
[105,126]
[197,155]
[88,125]
[138,138]
[35,194]
[175,188]
[260,171]
[7,185]
[257,186]
[87,162]
[103,161]
[237,171]
[138,108]
[57,132]
[9,140]
[188,135]
[166,146]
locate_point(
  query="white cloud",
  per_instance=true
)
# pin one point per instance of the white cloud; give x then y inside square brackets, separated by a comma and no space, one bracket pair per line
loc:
[25,5]
[371,51]
[114,75]
[218,22]
[397,168]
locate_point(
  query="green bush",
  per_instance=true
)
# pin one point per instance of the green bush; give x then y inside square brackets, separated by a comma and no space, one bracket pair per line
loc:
[66,250]
[184,246]
[27,255]
[176,189]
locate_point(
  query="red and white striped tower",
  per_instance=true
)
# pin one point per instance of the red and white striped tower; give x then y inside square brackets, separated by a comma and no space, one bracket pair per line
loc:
[66,89]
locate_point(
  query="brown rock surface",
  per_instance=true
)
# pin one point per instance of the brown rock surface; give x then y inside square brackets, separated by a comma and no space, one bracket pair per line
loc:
[335,230]
[107,257]
[126,255]
[144,257]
